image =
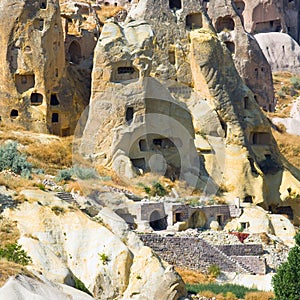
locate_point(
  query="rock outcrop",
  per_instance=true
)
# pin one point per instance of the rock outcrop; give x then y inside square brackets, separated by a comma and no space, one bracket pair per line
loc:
[223,108]
[39,90]
[247,56]
[65,245]
[270,16]
[281,51]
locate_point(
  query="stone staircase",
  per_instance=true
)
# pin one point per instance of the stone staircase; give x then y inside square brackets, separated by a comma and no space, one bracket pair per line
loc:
[65,196]
[221,258]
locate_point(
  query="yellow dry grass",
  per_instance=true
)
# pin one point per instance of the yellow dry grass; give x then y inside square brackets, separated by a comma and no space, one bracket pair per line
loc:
[289,146]
[259,296]
[281,82]
[193,277]
[9,232]
[56,154]
[8,268]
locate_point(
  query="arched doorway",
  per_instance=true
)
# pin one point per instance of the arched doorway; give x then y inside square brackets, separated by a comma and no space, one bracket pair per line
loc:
[157,222]
[75,52]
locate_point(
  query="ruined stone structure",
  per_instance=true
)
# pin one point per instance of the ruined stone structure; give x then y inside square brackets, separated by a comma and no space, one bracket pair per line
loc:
[198,254]
[247,55]
[148,216]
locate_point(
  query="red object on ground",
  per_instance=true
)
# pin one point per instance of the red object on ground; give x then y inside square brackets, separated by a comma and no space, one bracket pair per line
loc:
[240,235]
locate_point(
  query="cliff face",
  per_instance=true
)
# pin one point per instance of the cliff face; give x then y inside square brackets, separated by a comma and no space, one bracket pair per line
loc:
[206,83]
[37,89]
[248,58]
[270,16]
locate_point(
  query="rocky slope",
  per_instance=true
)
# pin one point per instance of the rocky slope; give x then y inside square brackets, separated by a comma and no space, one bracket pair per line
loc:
[66,245]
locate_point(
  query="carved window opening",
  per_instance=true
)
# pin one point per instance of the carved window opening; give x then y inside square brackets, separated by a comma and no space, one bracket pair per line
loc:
[55,118]
[129,114]
[246,103]
[175,4]
[74,52]
[143,145]
[172,58]
[14,114]
[36,99]
[53,100]
[193,21]
[43,4]
[225,23]
[248,199]
[260,138]
[139,163]
[24,82]
[230,46]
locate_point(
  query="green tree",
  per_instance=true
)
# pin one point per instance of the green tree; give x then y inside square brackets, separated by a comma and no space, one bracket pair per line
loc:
[286,282]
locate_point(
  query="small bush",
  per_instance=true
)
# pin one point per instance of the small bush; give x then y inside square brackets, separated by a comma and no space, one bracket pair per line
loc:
[15,253]
[104,258]
[65,175]
[295,81]
[214,271]
[157,189]
[58,210]
[11,158]
[84,173]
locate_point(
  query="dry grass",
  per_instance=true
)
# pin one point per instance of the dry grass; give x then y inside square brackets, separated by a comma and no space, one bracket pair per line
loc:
[9,232]
[193,277]
[282,81]
[289,146]
[107,12]
[259,296]
[52,156]
[16,183]
[8,268]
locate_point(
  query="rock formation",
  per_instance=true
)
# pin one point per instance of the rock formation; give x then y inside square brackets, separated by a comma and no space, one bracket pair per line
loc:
[38,90]
[270,16]
[192,55]
[110,260]
[247,56]
[281,51]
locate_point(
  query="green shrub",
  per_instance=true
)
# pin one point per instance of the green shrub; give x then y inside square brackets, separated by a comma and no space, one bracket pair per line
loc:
[15,253]
[11,158]
[295,81]
[286,281]
[214,270]
[84,173]
[238,290]
[104,258]
[157,189]
[65,175]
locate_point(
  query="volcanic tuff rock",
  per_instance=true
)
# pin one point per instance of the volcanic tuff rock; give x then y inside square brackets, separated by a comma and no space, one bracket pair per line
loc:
[247,56]
[38,89]
[281,51]
[247,157]
[110,260]
[260,16]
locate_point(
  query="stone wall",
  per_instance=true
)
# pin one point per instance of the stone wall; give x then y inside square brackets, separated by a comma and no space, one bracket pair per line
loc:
[197,254]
